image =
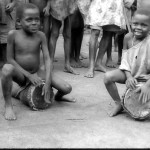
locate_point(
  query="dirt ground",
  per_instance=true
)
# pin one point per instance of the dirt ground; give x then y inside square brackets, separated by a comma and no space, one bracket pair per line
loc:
[84,124]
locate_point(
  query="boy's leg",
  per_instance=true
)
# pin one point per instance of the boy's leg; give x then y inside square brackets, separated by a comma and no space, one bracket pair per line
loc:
[46,27]
[72,53]
[92,52]
[120,47]
[109,62]
[109,79]
[63,89]
[3,50]
[56,24]
[103,46]
[77,35]
[67,45]
[78,43]
[9,73]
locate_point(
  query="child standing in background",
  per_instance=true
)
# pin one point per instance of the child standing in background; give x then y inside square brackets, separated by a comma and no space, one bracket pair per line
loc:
[7,23]
[61,10]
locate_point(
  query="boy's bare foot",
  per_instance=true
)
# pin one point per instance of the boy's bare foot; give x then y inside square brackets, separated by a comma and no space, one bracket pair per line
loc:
[9,114]
[74,64]
[55,60]
[100,68]
[69,69]
[119,63]
[89,74]
[82,56]
[1,64]
[110,64]
[116,110]
[80,64]
[65,98]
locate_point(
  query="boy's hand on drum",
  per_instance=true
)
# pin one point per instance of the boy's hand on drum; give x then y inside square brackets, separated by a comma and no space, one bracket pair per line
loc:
[35,80]
[47,93]
[145,94]
[131,83]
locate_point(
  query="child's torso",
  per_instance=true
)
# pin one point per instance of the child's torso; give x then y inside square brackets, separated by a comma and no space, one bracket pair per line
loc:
[27,51]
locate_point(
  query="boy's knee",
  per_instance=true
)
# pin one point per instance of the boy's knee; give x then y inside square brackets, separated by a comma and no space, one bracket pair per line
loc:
[67,88]
[107,78]
[7,70]
[55,33]
[95,33]
[66,35]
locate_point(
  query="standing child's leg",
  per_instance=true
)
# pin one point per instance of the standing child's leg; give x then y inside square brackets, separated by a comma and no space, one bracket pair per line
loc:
[8,74]
[78,42]
[46,27]
[67,46]
[92,52]
[110,79]
[103,46]
[77,28]
[3,54]
[109,61]
[72,53]
[56,24]
[120,47]
[63,89]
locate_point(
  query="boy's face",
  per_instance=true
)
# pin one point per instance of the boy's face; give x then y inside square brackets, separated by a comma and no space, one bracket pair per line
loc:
[30,20]
[140,25]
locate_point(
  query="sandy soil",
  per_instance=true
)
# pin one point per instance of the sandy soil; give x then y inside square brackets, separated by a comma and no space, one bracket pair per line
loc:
[84,124]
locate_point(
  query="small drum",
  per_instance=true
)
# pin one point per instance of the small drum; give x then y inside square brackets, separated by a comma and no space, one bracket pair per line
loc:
[32,96]
[134,106]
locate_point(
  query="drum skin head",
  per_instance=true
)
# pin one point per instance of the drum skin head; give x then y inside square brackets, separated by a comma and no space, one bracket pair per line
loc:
[134,106]
[37,98]
[32,96]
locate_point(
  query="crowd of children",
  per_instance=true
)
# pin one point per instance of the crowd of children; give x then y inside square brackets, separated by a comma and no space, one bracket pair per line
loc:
[28,27]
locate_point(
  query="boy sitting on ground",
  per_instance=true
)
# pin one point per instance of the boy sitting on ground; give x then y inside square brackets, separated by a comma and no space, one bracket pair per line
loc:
[23,55]
[135,64]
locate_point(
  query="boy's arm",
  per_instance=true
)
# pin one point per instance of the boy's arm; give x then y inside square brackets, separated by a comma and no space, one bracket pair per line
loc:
[125,42]
[11,52]
[128,3]
[48,66]
[125,66]
[10,6]
[130,81]
[47,8]
[46,58]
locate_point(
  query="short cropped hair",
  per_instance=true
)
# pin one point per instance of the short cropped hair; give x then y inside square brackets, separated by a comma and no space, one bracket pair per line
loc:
[142,11]
[21,8]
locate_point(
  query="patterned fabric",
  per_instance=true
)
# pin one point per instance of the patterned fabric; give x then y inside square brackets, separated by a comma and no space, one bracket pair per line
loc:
[137,60]
[84,6]
[106,12]
[60,9]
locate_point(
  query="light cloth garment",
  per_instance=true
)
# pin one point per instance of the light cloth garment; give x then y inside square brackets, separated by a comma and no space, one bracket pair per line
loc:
[60,9]
[106,12]
[137,60]
[84,6]
[98,13]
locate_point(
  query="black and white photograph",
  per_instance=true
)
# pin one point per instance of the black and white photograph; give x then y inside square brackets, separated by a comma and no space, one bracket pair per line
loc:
[74,74]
